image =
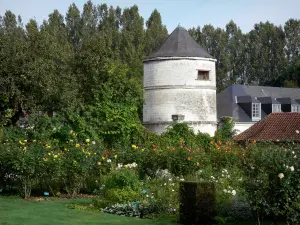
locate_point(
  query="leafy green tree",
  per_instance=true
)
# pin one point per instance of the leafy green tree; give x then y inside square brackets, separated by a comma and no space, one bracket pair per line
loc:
[292,38]
[89,19]
[113,114]
[235,50]
[74,26]
[156,32]
[197,35]
[290,77]
[49,73]
[13,61]
[91,66]
[266,53]
[133,40]
[109,27]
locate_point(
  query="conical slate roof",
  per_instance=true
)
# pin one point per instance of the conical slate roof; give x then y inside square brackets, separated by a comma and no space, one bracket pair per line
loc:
[180,44]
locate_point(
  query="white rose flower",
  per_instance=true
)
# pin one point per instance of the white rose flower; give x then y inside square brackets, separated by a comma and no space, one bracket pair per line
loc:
[281,175]
[292,168]
[109,160]
[93,142]
[225,190]
[181,179]
[233,192]
[295,157]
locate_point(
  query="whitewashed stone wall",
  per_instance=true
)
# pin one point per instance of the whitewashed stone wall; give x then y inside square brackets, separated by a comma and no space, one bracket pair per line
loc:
[171,87]
[178,72]
[195,104]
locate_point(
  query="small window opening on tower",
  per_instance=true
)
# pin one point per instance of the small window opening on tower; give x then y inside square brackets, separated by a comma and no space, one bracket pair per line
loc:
[203,75]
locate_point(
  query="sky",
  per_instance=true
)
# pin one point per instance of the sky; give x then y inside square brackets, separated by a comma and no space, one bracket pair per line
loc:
[187,13]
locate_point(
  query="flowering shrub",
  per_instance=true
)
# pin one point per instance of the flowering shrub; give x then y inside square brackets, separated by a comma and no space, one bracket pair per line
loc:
[272,181]
[122,178]
[160,195]
[51,164]
[23,162]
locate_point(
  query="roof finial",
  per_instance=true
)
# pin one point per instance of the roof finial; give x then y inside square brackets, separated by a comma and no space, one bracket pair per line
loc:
[178,24]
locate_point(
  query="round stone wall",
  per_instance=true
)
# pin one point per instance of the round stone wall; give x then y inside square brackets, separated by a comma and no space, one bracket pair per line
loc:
[172,87]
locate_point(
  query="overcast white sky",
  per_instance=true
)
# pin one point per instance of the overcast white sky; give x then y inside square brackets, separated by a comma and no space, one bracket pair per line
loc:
[188,13]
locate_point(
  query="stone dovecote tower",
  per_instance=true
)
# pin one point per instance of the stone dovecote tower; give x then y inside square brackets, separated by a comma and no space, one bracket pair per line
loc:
[180,85]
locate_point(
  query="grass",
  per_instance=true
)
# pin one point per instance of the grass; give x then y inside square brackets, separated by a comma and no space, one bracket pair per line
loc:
[18,211]
[14,210]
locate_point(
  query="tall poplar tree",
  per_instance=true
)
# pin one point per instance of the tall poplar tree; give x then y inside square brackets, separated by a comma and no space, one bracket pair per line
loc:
[156,33]
[74,26]
[235,52]
[13,60]
[266,49]
[292,38]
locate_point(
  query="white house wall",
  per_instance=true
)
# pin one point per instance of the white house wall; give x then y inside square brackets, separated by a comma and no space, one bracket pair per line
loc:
[241,127]
[171,87]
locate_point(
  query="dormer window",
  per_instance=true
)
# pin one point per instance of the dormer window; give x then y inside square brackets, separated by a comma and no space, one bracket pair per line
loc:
[203,75]
[295,108]
[276,108]
[256,111]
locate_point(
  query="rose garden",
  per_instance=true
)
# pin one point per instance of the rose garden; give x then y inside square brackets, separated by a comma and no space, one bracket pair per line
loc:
[253,181]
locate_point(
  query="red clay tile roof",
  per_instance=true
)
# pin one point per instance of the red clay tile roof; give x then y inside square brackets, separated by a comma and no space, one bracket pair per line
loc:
[284,126]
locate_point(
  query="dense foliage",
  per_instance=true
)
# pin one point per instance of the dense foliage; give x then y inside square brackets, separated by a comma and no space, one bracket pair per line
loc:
[142,178]
[87,65]
[272,182]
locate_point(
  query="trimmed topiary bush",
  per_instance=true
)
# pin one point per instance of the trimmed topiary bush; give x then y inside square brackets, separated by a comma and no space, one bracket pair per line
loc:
[197,202]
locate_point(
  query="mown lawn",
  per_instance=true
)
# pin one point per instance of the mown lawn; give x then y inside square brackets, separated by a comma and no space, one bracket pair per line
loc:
[18,211]
[14,210]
